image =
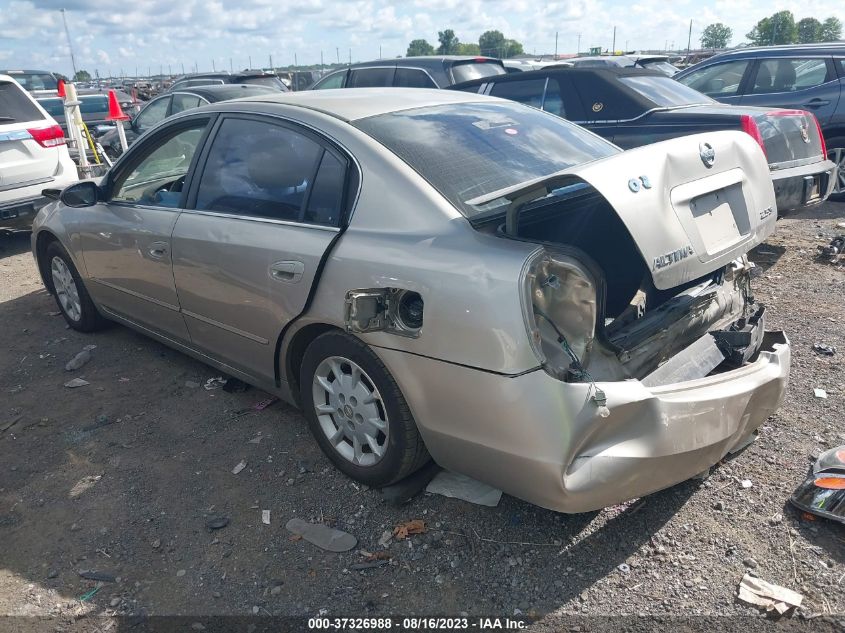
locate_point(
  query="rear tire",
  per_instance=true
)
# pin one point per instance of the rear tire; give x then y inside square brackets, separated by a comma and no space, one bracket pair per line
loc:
[836,153]
[356,412]
[71,296]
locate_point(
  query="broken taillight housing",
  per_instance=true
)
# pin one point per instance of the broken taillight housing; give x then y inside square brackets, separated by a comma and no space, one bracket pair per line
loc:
[52,136]
[749,126]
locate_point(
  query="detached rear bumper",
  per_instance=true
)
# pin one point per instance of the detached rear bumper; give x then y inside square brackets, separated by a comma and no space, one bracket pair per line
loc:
[544,441]
[803,186]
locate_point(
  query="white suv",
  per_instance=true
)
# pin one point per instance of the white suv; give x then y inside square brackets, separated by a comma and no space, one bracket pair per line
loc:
[33,156]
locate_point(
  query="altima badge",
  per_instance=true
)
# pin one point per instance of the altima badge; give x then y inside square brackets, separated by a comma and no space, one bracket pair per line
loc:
[707,153]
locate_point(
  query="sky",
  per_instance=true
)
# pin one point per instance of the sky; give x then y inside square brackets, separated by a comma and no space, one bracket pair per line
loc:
[117,38]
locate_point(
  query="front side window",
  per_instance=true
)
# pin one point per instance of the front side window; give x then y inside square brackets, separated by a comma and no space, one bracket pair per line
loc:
[152,115]
[371,77]
[259,169]
[788,75]
[719,80]
[156,172]
[466,150]
[528,92]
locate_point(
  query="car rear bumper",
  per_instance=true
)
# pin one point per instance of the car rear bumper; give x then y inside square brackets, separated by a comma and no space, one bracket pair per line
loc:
[546,441]
[803,186]
[17,215]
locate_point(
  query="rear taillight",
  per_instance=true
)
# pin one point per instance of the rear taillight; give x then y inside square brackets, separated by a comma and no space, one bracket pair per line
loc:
[52,136]
[821,136]
[749,126]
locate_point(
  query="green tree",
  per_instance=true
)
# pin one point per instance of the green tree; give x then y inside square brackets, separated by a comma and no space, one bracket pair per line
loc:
[419,47]
[716,35]
[513,48]
[809,30]
[449,42]
[831,30]
[82,75]
[470,48]
[492,44]
[779,28]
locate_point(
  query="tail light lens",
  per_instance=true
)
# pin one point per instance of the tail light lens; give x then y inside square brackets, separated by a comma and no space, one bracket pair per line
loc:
[52,136]
[821,136]
[749,126]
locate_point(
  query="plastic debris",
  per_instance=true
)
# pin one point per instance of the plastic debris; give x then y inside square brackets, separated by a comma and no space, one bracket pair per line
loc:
[824,349]
[99,576]
[239,467]
[322,535]
[746,483]
[768,596]
[263,404]
[459,486]
[832,251]
[265,517]
[217,523]
[80,359]
[85,597]
[820,393]
[214,383]
[76,382]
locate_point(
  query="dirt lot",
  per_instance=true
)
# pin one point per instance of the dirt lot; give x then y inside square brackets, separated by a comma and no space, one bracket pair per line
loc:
[121,476]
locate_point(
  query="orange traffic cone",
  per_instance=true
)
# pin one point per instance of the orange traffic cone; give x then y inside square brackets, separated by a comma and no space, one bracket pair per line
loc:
[116,113]
[61,88]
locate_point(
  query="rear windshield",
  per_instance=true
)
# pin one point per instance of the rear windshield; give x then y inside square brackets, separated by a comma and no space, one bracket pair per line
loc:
[661,65]
[34,81]
[96,104]
[271,81]
[15,106]
[236,91]
[665,92]
[467,71]
[467,150]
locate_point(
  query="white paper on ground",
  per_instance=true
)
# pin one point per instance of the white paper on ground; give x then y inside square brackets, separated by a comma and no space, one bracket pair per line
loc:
[458,486]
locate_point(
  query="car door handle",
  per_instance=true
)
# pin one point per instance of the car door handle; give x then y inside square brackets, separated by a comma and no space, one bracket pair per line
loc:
[158,250]
[289,271]
[816,103]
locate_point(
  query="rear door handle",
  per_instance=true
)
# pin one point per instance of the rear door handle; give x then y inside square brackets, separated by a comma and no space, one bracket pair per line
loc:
[158,250]
[816,103]
[289,271]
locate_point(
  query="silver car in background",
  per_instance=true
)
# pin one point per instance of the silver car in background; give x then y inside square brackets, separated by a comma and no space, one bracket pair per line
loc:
[443,275]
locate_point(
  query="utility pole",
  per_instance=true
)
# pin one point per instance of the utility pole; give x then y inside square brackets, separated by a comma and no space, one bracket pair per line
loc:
[295,62]
[613,48]
[337,50]
[379,51]
[231,68]
[69,44]
[579,44]
[213,66]
[250,61]
[555,44]
[321,60]
[350,56]
[183,68]
[272,68]
[689,41]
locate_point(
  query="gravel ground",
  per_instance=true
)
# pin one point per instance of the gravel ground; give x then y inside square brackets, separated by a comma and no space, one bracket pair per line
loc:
[122,475]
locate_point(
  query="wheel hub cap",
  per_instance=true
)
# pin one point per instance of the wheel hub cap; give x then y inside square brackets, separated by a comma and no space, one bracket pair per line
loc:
[350,411]
[837,155]
[66,290]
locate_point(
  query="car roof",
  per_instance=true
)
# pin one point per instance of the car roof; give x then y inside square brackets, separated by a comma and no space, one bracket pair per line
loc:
[781,50]
[608,73]
[223,92]
[360,103]
[423,61]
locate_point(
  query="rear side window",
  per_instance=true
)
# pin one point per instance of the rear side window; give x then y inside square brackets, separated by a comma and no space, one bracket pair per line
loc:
[789,75]
[467,71]
[326,201]
[412,78]
[54,107]
[271,81]
[152,114]
[15,105]
[182,102]
[719,80]
[334,80]
[259,169]
[528,92]
[92,105]
[371,77]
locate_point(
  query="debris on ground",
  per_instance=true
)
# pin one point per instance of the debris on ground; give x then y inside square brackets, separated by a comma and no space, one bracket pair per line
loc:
[88,594]
[746,483]
[322,535]
[834,250]
[216,523]
[265,517]
[768,596]
[263,404]
[84,484]
[822,493]
[99,576]
[78,361]
[459,486]
[76,382]
[820,393]
[403,530]
[239,467]
[215,383]
[11,423]
[824,349]
[368,565]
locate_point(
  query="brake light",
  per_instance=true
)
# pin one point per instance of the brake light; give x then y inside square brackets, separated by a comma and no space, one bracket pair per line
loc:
[749,126]
[52,136]
[821,136]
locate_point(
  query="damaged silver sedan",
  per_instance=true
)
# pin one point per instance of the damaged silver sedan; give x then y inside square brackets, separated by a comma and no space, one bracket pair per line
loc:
[447,276]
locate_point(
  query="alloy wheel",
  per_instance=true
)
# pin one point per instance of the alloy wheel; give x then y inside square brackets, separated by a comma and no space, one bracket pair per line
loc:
[837,155]
[350,411]
[66,290]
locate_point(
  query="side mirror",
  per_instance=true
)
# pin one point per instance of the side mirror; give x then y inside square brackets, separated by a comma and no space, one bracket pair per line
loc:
[80,194]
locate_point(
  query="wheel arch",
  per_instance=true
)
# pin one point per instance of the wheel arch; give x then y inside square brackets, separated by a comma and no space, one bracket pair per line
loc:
[42,241]
[294,352]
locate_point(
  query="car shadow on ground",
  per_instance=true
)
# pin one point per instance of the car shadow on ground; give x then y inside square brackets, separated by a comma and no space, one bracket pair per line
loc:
[13,244]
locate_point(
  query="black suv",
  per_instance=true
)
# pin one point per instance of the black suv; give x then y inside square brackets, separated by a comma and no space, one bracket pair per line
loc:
[801,76]
[254,77]
[435,71]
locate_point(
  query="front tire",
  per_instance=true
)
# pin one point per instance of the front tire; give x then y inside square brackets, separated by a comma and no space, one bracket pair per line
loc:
[71,296]
[836,153]
[356,412]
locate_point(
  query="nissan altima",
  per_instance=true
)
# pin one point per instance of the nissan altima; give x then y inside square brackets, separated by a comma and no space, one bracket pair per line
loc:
[448,276]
